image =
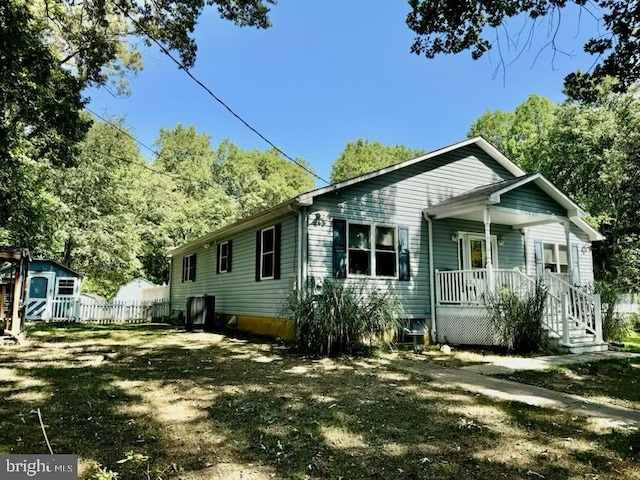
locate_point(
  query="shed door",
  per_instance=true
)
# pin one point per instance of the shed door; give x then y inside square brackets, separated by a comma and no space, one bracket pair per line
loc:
[39,292]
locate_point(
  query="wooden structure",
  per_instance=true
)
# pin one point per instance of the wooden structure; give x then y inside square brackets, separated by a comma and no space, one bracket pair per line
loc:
[13,288]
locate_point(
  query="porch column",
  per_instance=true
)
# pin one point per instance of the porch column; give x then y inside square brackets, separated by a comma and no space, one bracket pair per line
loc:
[487,242]
[567,236]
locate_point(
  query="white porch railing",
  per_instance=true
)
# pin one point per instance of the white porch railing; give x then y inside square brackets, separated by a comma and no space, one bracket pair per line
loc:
[569,309]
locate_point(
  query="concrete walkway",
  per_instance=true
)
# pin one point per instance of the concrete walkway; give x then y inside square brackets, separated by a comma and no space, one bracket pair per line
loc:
[505,365]
[454,378]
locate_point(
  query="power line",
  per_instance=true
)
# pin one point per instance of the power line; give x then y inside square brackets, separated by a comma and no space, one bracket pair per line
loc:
[215,97]
[122,130]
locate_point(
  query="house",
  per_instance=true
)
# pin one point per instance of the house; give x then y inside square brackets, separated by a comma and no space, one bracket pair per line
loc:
[441,229]
[132,291]
[51,289]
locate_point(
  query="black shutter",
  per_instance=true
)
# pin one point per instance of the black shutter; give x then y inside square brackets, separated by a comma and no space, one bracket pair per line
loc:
[184,266]
[194,266]
[218,258]
[339,248]
[403,254]
[276,251]
[258,245]
[229,256]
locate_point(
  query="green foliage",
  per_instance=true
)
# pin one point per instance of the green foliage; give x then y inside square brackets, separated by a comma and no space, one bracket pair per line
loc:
[614,326]
[39,127]
[255,179]
[453,27]
[363,156]
[342,316]
[517,319]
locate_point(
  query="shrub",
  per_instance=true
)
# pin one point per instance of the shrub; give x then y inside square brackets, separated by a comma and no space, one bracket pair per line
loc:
[635,322]
[517,320]
[342,316]
[614,326]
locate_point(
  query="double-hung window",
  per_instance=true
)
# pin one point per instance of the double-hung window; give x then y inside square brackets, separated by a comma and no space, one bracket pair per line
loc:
[224,257]
[359,249]
[268,253]
[189,268]
[386,253]
[555,257]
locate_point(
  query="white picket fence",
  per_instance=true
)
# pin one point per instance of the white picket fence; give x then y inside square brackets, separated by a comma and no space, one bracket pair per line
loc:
[66,309]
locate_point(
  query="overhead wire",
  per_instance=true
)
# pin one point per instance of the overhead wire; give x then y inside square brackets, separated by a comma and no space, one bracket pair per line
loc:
[215,97]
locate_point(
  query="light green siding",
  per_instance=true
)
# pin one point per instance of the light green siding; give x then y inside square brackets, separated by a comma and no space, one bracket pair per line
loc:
[531,198]
[237,292]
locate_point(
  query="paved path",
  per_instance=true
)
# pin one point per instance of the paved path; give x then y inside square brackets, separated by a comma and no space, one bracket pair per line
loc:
[501,365]
[446,378]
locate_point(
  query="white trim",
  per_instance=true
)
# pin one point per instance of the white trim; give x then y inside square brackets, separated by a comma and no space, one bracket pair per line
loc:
[56,291]
[464,257]
[187,268]
[372,250]
[263,252]
[219,260]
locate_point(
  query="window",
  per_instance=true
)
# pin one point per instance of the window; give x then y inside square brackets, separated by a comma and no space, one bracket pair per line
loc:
[359,249]
[555,257]
[189,268]
[268,253]
[66,287]
[386,258]
[224,257]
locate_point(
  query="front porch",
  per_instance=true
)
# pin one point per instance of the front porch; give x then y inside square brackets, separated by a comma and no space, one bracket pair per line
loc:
[491,227]
[572,316]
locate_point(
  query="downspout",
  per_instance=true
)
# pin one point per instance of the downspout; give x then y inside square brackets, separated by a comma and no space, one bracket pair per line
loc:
[299,249]
[432,285]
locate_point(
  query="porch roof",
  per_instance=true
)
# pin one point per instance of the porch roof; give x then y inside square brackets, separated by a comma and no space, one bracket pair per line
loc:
[471,205]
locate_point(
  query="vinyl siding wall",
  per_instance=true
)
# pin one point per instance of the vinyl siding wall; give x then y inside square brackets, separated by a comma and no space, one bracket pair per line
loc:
[237,292]
[554,233]
[398,199]
[531,198]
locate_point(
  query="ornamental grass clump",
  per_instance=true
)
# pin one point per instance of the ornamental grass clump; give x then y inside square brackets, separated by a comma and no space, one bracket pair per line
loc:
[518,319]
[342,317]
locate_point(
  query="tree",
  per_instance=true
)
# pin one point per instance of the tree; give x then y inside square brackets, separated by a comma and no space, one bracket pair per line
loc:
[592,152]
[520,134]
[40,124]
[363,156]
[100,204]
[256,179]
[97,38]
[452,27]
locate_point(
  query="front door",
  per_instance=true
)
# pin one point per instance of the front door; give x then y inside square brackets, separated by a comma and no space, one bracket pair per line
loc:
[473,251]
[39,295]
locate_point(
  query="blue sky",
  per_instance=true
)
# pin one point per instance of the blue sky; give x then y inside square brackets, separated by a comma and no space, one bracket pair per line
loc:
[330,72]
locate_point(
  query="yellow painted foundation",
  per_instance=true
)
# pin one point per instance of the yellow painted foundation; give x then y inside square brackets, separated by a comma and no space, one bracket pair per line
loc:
[270,326]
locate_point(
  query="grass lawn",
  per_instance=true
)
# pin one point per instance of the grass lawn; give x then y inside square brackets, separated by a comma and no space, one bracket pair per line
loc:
[610,381]
[632,342]
[205,406]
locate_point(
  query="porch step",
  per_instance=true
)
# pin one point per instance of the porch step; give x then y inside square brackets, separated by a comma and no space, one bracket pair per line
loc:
[586,347]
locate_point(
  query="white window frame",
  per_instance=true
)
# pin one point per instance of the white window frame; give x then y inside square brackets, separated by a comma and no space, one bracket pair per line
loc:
[272,252]
[556,254]
[464,255]
[226,257]
[372,250]
[57,290]
[186,267]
